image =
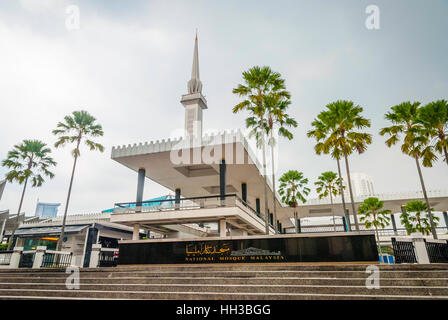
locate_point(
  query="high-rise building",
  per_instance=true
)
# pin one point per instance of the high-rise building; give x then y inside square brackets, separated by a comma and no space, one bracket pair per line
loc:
[46,209]
[362,185]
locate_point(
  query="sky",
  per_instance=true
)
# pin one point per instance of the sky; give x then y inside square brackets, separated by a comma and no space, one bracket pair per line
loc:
[128,64]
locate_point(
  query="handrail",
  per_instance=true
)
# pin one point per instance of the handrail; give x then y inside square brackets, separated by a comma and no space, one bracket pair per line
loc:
[174,200]
[59,252]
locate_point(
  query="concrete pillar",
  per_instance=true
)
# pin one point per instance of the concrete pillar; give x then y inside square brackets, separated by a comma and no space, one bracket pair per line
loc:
[136,232]
[140,187]
[347,219]
[420,248]
[2,230]
[394,225]
[15,257]
[344,222]
[222,228]
[177,198]
[39,257]
[244,192]
[222,179]
[95,256]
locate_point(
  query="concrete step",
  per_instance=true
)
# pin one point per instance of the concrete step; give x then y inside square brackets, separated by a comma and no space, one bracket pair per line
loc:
[97,294]
[236,288]
[235,280]
[240,282]
[237,273]
[250,267]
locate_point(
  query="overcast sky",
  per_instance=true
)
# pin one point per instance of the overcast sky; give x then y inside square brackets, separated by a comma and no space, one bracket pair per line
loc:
[130,61]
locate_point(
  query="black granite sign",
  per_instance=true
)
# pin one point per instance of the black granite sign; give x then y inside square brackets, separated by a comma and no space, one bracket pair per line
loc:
[343,248]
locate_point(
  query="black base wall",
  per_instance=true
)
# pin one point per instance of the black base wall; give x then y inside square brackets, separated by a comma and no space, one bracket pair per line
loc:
[346,248]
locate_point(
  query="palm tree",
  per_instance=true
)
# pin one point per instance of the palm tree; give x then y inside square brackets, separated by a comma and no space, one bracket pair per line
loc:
[28,160]
[404,118]
[416,222]
[372,215]
[340,121]
[434,117]
[293,189]
[75,128]
[327,185]
[320,133]
[277,117]
[258,83]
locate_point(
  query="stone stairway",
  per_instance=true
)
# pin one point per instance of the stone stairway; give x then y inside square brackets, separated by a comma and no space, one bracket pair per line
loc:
[229,282]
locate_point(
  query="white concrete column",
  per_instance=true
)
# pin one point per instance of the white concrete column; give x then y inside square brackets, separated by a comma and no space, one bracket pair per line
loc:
[95,256]
[222,228]
[136,233]
[2,230]
[39,257]
[15,257]
[420,248]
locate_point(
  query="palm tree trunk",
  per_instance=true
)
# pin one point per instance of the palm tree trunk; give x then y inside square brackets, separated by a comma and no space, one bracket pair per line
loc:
[331,200]
[273,185]
[378,241]
[59,245]
[266,219]
[341,185]
[433,228]
[11,238]
[351,192]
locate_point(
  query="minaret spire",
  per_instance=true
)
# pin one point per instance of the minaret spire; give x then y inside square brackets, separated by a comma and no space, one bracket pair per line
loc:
[194,102]
[195,84]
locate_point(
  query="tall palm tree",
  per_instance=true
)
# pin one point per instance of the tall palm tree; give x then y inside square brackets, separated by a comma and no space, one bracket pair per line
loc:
[277,117]
[327,185]
[293,189]
[28,160]
[416,222]
[404,118]
[320,133]
[258,83]
[78,127]
[373,216]
[341,120]
[434,117]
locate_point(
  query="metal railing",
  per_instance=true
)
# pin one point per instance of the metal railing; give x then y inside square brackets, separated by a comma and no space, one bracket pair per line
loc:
[5,257]
[404,251]
[27,259]
[56,259]
[437,251]
[108,257]
[362,228]
[205,202]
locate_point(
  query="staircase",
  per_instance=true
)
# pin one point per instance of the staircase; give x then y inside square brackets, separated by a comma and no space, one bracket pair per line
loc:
[226,282]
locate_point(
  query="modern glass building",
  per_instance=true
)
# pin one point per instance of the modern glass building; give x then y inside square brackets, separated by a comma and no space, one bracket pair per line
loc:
[47,209]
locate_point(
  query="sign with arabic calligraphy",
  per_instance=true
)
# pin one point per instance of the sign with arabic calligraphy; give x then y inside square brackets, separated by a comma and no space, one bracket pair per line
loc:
[332,248]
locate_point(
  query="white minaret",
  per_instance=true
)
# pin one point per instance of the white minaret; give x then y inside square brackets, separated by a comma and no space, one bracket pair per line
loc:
[194,101]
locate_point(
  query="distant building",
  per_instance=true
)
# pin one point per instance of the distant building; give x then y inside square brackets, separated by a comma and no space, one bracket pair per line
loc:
[2,187]
[362,185]
[47,209]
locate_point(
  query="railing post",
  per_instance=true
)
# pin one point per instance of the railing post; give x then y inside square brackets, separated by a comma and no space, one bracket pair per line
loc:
[95,256]
[420,248]
[15,257]
[39,257]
